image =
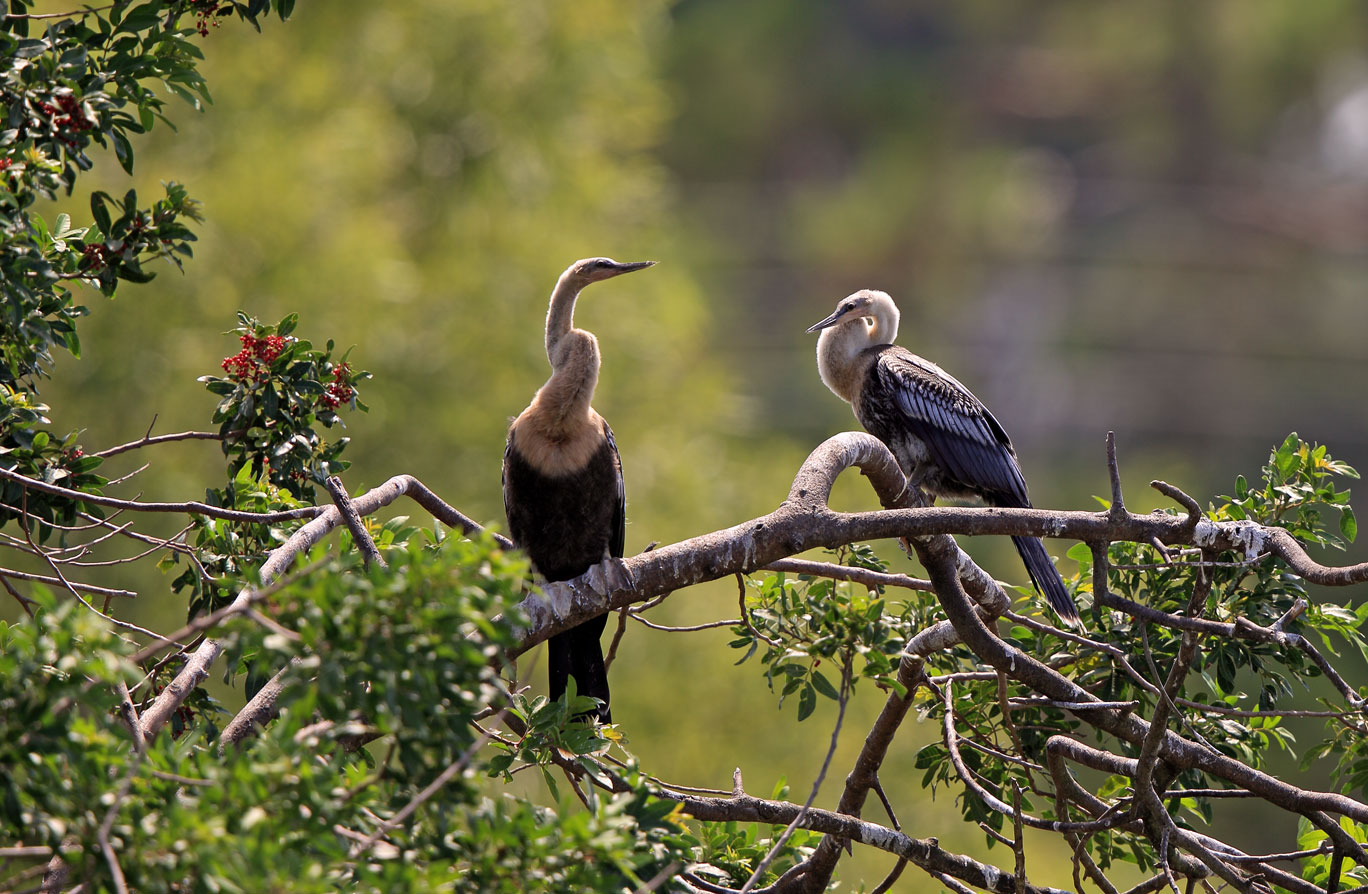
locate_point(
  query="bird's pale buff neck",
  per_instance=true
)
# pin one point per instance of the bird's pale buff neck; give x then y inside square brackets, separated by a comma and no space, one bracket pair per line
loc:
[559,431]
[839,348]
[560,316]
[563,403]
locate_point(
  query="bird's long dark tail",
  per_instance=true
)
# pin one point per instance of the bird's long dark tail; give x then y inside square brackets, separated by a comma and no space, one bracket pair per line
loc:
[578,653]
[1046,579]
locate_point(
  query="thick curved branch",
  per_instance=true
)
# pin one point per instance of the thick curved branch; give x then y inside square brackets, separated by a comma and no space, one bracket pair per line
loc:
[804,522]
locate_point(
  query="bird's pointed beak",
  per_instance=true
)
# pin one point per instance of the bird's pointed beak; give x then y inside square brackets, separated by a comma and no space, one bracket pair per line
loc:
[829,321]
[631,266]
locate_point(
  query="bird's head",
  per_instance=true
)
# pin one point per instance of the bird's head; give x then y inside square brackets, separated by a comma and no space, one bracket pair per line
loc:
[595,269]
[864,303]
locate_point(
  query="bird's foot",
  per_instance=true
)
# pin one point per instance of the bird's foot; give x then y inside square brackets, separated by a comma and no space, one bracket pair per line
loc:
[610,574]
[619,576]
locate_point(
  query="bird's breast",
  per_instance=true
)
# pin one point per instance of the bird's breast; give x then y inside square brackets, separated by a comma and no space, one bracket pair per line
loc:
[556,447]
[565,522]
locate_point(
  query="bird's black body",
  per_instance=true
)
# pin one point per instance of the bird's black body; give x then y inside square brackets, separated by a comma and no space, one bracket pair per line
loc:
[943,437]
[562,477]
[948,444]
[566,524]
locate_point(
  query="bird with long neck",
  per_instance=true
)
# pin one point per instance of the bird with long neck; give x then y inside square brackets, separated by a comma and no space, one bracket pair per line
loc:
[562,478]
[944,438]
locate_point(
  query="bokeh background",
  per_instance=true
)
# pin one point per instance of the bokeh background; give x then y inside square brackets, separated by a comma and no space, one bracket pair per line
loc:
[1146,217]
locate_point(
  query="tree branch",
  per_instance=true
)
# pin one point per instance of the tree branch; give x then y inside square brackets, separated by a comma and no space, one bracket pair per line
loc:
[925,853]
[147,440]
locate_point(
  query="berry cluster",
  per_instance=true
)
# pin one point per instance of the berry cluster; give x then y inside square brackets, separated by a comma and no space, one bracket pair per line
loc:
[66,117]
[253,362]
[5,163]
[206,13]
[95,257]
[339,391]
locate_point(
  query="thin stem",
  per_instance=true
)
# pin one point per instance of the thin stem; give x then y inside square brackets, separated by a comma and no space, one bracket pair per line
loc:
[816,785]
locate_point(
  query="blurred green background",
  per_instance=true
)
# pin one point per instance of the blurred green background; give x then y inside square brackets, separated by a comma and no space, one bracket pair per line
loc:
[1149,218]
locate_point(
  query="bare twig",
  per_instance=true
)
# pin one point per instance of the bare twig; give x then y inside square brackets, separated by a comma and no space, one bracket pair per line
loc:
[189,508]
[692,628]
[925,853]
[617,638]
[816,785]
[73,14]
[855,574]
[61,578]
[148,440]
[1018,842]
[360,536]
[1118,505]
[1194,509]
[745,613]
[102,836]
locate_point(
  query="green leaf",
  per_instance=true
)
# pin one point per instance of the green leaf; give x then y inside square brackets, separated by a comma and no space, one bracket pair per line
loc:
[132,272]
[123,150]
[550,783]
[146,16]
[807,702]
[100,212]
[823,685]
[1348,524]
[218,386]
[1080,552]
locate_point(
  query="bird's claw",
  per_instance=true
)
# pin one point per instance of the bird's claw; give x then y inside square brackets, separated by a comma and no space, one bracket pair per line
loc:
[619,576]
[559,599]
[597,579]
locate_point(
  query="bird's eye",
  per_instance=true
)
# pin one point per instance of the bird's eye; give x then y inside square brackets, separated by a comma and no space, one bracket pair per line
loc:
[847,308]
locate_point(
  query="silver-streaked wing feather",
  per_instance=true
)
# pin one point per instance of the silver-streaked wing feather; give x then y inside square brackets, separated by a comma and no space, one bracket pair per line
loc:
[960,434]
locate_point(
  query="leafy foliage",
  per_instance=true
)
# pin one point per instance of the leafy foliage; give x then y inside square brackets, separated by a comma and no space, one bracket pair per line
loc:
[1299,482]
[85,81]
[802,624]
[32,452]
[275,390]
[60,746]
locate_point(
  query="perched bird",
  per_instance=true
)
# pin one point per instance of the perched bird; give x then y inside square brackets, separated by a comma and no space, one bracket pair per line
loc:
[943,437]
[562,477]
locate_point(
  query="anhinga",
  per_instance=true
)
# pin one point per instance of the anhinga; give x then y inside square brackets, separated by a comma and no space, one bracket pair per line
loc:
[943,437]
[562,477]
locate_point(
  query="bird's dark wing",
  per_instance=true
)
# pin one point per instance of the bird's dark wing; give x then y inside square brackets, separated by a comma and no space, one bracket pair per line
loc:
[503,485]
[960,435]
[618,538]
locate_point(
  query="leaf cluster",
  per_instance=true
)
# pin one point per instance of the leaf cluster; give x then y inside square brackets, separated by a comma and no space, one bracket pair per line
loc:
[1298,484]
[32,452]
[273,395]
[805,621]
[88,79]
